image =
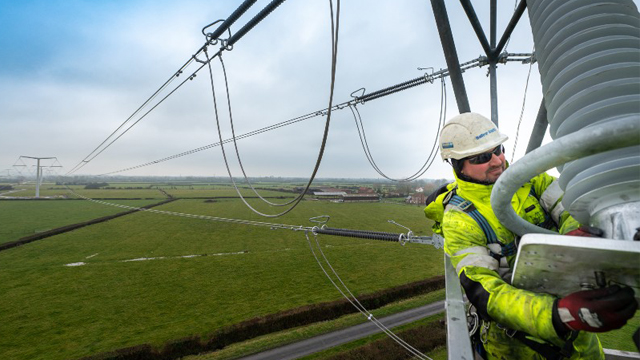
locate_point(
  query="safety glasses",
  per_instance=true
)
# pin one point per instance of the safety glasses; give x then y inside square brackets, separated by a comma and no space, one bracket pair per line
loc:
[485,157]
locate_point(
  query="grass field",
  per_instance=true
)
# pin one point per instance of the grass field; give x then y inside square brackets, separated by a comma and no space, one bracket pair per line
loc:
[304,332]
[152,191]
[151,278]
[52,311]
[28,217]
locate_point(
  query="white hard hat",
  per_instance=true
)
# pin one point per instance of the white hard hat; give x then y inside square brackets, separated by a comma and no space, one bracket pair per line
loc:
[467,135]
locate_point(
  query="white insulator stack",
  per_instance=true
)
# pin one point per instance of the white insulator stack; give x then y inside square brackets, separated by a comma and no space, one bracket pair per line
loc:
[589,61]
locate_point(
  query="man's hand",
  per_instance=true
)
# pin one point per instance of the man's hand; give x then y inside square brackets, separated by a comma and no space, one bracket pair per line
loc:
[587,231]
[594,310]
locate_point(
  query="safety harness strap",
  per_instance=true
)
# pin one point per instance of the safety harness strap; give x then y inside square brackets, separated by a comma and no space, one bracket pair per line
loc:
[468,207]
[548,222]
[548,351]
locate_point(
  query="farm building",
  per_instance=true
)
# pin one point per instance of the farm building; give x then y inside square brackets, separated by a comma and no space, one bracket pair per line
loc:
[329,194]
[416,198]
[361,197]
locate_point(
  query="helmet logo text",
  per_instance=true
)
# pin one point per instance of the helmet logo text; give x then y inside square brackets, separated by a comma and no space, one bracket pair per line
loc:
[485,133]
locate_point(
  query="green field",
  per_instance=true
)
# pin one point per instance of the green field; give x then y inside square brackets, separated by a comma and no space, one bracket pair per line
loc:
[151,277]
[21,218]
[245,271]
[153,191]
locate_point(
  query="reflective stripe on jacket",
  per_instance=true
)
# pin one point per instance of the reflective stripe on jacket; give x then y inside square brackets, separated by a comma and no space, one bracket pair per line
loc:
[494,298]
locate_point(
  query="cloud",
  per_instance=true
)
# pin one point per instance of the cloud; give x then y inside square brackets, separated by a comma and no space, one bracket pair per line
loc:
[74,71]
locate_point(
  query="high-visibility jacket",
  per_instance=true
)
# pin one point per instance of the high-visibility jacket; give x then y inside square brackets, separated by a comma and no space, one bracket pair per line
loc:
[479,266]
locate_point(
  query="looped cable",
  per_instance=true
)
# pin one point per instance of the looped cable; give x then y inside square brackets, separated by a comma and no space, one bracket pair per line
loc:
[356,98]
[195,57]
[403,236]
[321,220]
[430,158]
[334,53]
[209,36]
[208,26]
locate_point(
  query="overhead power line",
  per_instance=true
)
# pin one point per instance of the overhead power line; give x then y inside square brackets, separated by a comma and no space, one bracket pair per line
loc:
[425,79]
[430,158]
[210,41]
[335,30]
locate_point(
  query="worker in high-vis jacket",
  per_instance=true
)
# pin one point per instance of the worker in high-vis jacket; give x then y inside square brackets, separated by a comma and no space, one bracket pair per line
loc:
[507,322]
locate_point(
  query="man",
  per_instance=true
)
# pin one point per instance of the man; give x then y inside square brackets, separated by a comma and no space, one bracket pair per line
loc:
[513,323]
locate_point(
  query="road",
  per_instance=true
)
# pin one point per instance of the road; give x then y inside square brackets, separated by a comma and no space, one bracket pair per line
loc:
[339,337]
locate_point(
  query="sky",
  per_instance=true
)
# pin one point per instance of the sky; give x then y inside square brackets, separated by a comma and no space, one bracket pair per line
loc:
[71,72]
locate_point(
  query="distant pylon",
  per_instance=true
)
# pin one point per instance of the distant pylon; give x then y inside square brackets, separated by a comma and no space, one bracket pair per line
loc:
[39,170]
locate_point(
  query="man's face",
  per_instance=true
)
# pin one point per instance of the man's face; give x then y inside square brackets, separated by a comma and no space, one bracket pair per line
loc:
[488,172]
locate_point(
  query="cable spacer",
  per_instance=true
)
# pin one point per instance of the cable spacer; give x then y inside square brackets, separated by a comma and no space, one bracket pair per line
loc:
[428,77]
[356,97]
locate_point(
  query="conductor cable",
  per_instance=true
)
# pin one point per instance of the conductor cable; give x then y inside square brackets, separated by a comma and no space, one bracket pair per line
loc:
[194,216]
[235,143]
[354,301]
[430,158]
[334,53]
[225,25]
[524,101]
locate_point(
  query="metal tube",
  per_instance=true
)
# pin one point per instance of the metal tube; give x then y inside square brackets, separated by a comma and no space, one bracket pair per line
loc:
[492,27]
[493,76]
[450,54]
[493,89]
[539,129]
[458,341]
[588,141]
[509,29]
[477,27]
[38,179]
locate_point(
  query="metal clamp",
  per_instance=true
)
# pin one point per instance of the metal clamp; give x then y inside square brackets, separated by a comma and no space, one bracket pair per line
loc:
[224,44]
[484,331]
[473,321]
[428,77]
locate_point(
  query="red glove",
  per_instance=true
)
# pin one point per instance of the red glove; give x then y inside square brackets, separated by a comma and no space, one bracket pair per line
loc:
[594,310]
[587,231]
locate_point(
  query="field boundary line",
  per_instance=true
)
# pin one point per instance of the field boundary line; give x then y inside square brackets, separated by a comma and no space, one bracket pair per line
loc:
[267,324]
[67,228]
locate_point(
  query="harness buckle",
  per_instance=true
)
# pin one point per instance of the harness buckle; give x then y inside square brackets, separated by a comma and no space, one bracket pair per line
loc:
[473,321]
[484,331]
